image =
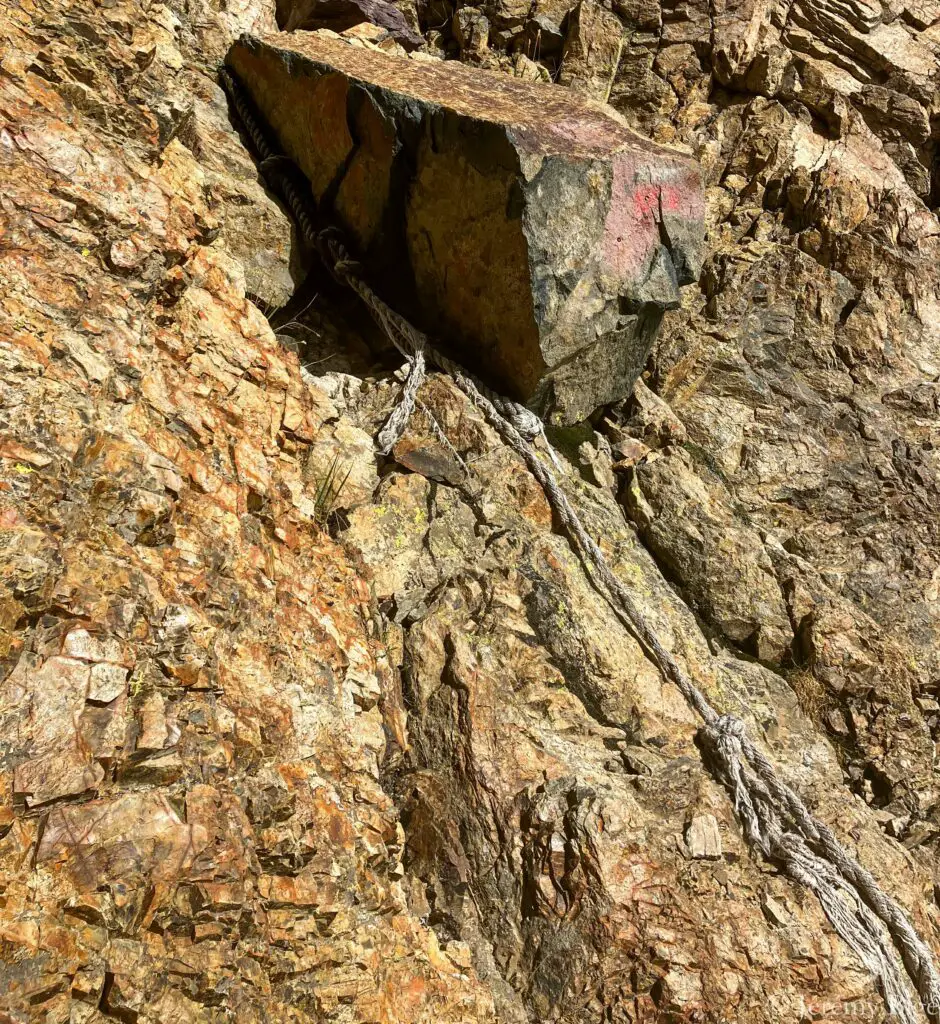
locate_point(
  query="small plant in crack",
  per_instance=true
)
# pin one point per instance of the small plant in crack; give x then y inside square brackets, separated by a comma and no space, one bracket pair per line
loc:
[294,334]
[295,322]
[329,489]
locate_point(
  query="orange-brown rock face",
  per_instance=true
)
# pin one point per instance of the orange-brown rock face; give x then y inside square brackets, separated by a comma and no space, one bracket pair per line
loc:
[537,235]
[260,763]
[191,824]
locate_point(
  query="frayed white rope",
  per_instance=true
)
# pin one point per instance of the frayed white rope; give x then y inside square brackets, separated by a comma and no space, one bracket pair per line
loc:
[873,913]
[774,818]
[761,815]
[409,340]
[398,420]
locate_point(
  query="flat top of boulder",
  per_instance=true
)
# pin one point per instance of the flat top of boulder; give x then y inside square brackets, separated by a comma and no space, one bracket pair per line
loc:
[543,119]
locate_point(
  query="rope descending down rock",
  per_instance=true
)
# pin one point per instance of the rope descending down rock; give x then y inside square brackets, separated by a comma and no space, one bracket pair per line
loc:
[773,816]
[285,177]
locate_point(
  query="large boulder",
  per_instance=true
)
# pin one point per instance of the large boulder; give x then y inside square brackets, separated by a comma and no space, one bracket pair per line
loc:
[530,230]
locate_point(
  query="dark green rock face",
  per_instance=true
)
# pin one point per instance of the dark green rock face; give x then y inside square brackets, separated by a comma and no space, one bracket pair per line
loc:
[532,232]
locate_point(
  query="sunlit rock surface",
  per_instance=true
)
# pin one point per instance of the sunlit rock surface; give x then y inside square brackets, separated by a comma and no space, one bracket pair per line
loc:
[387,758]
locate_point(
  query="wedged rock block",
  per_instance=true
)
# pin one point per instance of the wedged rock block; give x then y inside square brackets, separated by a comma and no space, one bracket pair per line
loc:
[529,230]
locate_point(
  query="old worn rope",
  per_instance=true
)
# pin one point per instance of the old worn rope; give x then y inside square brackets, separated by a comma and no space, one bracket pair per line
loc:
[400,416]
[774,818]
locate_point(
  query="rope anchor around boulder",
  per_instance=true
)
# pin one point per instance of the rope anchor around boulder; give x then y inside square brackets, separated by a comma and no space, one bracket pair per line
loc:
[774,818]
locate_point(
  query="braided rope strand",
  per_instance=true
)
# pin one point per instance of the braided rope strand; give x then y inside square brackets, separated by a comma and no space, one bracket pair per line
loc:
[397,422]
[773,817]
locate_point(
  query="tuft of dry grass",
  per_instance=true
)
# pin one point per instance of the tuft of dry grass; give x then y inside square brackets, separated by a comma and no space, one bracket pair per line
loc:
[329,488]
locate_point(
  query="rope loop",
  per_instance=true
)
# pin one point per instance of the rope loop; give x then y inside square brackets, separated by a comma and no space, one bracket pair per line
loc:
[730,726]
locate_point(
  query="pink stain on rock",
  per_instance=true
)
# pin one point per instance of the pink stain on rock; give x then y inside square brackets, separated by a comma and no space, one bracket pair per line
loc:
[642,194]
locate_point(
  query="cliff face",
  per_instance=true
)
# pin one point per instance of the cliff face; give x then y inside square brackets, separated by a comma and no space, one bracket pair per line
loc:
[266,762]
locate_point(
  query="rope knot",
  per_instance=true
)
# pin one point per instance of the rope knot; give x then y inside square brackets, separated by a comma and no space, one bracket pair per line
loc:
[346,266]
[526,422]
[729,725]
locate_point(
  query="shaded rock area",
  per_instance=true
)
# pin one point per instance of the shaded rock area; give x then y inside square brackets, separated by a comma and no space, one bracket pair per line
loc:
[279,748]
[540,237]
[339,15]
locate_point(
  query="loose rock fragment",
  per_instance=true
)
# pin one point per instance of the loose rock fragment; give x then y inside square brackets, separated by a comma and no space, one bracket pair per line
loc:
[531,231]
[703,838]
